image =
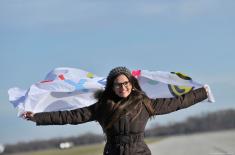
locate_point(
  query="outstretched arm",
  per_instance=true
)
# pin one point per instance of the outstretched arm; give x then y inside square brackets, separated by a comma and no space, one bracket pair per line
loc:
[167,105]
[76,116]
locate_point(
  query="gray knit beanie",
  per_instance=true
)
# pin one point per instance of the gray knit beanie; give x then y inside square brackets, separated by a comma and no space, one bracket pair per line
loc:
[117,71]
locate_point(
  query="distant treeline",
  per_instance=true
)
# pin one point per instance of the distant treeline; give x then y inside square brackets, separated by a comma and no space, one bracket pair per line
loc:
[214,121]
[88,138]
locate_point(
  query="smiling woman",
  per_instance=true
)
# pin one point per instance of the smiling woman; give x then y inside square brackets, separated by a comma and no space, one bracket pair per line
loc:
[122,110]
[122,86]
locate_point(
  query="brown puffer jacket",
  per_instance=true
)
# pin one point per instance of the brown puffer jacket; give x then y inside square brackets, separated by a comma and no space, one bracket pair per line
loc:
[125,136]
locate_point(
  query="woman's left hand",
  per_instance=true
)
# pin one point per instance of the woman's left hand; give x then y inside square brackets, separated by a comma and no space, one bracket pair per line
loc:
[209,93]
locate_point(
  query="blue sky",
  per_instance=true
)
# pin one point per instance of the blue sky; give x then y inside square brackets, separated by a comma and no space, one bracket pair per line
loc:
[193,37]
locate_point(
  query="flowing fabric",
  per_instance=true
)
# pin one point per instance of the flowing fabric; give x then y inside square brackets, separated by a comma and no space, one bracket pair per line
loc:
[71,88]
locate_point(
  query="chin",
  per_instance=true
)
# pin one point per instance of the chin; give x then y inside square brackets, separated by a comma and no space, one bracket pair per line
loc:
[124,95]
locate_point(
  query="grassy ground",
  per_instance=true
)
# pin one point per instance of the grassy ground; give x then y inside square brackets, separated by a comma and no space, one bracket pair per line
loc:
[79,150]
[96,149]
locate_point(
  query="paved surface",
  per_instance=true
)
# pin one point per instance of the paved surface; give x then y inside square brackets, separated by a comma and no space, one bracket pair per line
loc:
[212,143]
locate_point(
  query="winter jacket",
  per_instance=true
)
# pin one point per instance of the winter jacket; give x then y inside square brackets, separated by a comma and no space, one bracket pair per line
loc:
[125,136]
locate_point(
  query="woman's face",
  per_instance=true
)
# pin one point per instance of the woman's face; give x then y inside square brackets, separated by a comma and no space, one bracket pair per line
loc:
[122,86]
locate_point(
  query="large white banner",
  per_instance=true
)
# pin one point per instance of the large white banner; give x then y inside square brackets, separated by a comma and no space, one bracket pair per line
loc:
[71,88]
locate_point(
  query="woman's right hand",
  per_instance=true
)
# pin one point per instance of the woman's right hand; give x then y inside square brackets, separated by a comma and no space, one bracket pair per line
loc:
[28,115]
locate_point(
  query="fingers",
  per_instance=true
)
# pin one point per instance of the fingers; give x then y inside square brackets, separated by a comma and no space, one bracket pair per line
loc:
[28,115]
[206,88]
[209,93]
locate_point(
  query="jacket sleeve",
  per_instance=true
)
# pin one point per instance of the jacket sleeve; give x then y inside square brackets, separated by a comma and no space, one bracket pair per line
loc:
[167,105]
[76,116]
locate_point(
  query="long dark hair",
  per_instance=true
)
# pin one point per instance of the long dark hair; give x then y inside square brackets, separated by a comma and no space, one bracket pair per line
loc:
[110,94]
[111,106]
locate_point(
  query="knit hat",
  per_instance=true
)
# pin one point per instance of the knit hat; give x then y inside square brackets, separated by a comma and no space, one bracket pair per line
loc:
[117,71]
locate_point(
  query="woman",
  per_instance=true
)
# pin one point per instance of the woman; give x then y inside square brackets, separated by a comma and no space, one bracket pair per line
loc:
[122,110]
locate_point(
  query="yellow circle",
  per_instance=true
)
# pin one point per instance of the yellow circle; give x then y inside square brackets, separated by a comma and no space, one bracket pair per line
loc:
[179,90]
[90,75]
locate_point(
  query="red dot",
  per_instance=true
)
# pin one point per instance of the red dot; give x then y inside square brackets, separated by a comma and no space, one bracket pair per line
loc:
[136,73]
[61,76]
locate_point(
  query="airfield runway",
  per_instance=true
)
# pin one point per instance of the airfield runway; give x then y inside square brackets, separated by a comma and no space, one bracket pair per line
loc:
[211,143]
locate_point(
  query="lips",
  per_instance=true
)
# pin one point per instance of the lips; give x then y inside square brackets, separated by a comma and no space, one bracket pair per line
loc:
[122,92]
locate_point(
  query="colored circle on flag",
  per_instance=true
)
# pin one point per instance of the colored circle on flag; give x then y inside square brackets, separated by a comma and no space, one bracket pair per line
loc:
[182,76]
[152,82]
[179,90]
[90,75]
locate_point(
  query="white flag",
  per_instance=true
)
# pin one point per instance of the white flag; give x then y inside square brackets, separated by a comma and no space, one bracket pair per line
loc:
[71,88]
